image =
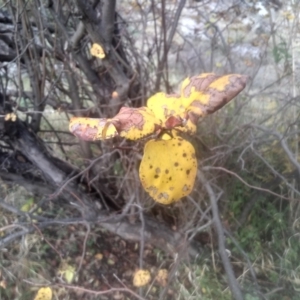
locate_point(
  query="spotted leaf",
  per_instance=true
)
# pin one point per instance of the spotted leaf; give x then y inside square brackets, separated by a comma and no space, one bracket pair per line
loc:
[165,106]
[168,169]
[92,129]
[196,83]
[169,109]
[135,123]
[218,93]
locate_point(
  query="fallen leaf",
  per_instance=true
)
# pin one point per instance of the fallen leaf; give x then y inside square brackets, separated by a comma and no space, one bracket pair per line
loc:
[141,278]
[99,256]
[44,293]
[27,205]
[67,272]
[162,277]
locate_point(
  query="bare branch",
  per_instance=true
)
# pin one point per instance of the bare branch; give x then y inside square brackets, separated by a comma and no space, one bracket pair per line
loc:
[233,284]
[108,20]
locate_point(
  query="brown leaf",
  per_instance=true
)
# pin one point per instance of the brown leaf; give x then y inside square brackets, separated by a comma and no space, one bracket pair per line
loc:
[162,277]
[197,83]
[216,95]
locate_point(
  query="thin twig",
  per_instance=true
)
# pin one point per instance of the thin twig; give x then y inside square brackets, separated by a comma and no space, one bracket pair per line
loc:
[84,290]
[247,184]
[88,231]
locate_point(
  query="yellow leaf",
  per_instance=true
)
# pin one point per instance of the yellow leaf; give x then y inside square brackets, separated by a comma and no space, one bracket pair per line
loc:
[193,89]
[288,15]
[135,123]
[162,277]
[164,106]
[97,51]
[67,271]
[44,293]
[69,274]
[131,123]
[27,205]
[141,278]
[10,117]
[170,110]
[168,169]
[167,136]
[99,256]
[92,129]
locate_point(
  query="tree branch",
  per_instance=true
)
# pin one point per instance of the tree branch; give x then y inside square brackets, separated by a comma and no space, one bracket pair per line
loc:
[108,20]
[233,284]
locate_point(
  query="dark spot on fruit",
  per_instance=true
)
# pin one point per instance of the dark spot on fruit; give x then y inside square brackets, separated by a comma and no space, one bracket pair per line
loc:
[188,172]
[184,154]
[170,178]
[179,144]
[155,176]
[176,164]
[167,171]
[150,166]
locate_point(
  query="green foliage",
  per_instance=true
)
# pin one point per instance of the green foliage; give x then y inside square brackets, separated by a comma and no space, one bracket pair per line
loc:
[266,234]
[264,228]
[212,288]
[280,52]
[291,261]
[118,168]
[205,282]
[251,297]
